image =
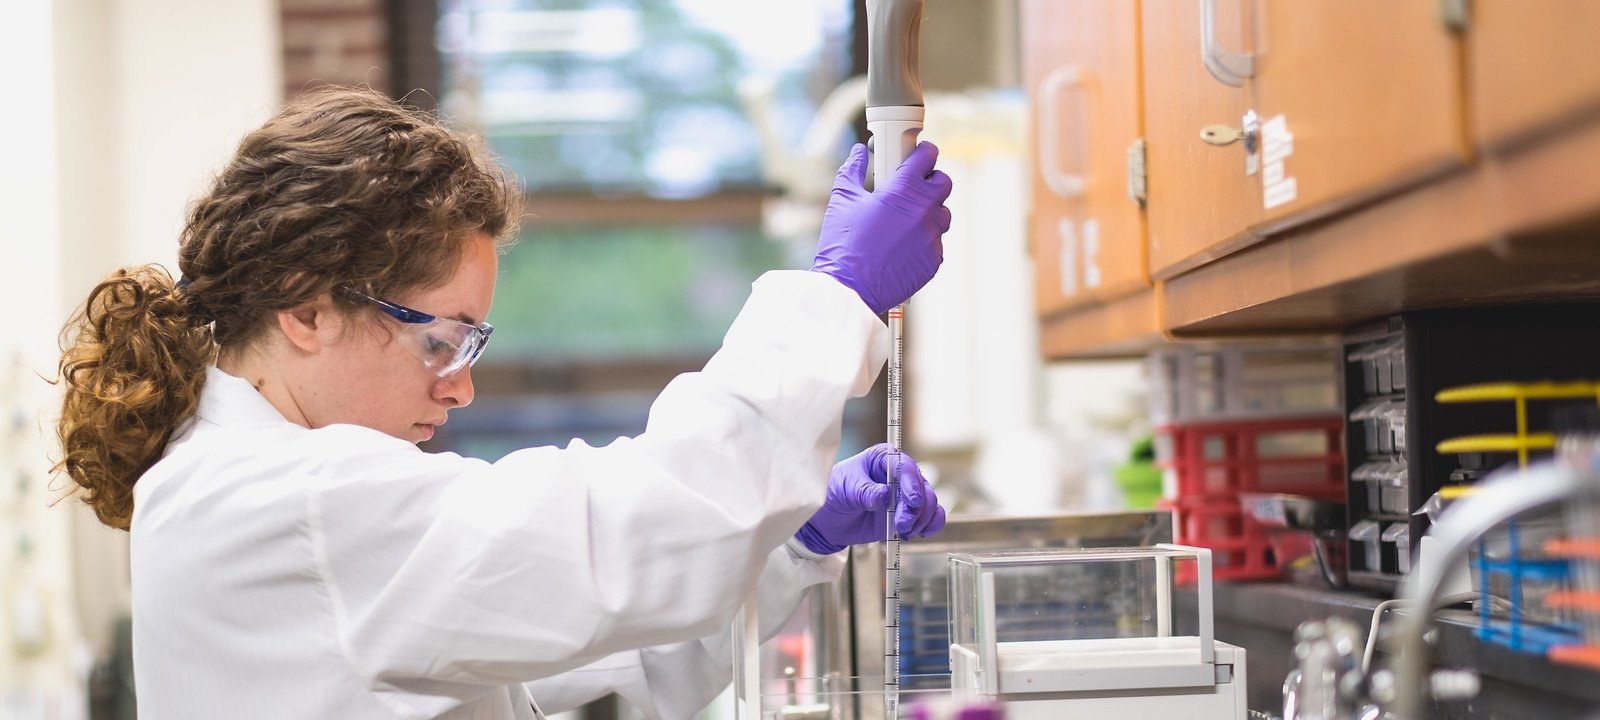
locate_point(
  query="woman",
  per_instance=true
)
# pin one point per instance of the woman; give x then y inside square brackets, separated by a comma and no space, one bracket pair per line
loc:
[294,555]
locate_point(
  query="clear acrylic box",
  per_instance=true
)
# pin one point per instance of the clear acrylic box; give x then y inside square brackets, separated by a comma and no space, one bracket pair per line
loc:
[826,659]
[1125,630]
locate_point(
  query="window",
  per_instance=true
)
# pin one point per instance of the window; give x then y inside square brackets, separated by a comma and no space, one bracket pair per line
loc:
[640,97]
[630,126]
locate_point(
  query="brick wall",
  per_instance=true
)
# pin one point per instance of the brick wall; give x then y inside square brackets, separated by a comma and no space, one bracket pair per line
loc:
[388,44]
[336,41]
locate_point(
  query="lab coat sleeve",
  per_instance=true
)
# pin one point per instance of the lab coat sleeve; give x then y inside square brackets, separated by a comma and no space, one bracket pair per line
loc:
[666,682]
[447,576]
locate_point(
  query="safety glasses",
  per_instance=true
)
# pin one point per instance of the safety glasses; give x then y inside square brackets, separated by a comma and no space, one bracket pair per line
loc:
[444,346]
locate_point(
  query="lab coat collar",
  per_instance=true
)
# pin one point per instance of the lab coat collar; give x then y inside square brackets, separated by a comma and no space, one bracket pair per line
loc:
[231,401]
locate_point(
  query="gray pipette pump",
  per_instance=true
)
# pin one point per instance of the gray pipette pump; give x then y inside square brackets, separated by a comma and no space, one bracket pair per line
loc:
[894,90]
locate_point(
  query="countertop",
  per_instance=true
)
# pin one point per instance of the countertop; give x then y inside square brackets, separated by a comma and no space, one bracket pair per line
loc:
[1262,617]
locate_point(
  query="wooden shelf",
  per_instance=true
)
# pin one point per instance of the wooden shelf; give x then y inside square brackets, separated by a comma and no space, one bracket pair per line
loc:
[1126,327]
[1519,226]
[1522,226]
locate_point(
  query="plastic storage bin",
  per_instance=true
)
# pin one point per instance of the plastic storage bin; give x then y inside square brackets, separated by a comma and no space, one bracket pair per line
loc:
[1210,381]
[1367,543]
[1258,417]
[1212,463]
[1397,540]
[1299,456]
[1241,549]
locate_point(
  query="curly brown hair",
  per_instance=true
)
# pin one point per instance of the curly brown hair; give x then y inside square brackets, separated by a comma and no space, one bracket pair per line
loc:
[343,187]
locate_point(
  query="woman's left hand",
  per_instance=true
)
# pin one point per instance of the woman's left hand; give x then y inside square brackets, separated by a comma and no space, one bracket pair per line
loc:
[858,497]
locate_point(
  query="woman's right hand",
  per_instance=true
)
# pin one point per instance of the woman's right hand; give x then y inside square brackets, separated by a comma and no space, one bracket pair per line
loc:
[885,245]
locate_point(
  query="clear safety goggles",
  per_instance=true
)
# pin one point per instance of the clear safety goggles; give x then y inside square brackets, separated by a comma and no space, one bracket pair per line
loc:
[445,346]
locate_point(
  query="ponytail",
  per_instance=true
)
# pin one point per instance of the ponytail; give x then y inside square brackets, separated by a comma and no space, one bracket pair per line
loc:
[133,360]
[342,187]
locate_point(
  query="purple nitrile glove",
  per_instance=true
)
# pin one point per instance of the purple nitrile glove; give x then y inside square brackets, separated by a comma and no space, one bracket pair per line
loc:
[885,244]
[858,496]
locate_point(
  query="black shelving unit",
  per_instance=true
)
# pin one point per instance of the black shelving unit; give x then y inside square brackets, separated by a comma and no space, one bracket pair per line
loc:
[1396,367]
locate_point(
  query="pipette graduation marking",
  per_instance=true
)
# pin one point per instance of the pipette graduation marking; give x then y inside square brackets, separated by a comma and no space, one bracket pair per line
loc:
[891,544]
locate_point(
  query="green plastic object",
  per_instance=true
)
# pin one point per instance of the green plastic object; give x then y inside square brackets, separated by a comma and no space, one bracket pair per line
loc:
[1139,478]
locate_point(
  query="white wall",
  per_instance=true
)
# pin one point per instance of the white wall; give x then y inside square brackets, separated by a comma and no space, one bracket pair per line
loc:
[1011,433]
[122,111]
[34,664]
[191,77]
[973,371]
[1096,410]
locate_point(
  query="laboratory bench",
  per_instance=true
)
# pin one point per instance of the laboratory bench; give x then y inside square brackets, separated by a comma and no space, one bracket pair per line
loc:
[1262,617]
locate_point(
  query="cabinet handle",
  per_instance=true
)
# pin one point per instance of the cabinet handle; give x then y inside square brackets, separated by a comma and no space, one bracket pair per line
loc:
[1061,183]
[1229,68]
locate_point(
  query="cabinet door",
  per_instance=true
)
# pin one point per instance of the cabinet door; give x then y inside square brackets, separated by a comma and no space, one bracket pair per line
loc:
[1201,201]
[1102,39]
[1532,64]
[1354,97]
[1054,85]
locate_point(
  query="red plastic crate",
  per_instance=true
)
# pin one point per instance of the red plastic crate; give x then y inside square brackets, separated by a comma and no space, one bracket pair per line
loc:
[1240,549]
[1220,459]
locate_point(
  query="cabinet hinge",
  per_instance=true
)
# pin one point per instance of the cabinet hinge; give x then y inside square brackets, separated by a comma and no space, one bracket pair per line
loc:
[1136,175]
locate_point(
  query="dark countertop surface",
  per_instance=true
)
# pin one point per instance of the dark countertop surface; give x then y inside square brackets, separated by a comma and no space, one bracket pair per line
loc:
[1262,617]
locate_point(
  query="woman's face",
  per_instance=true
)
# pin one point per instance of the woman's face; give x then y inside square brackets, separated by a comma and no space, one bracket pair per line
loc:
[377,381]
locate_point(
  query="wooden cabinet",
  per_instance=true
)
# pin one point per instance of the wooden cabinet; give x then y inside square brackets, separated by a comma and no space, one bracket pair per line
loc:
[1103,45]
[1200,198]
[1445,150]
[1048,75]
[1533,66]
[1354,98]
[1310,105]
[1081,60]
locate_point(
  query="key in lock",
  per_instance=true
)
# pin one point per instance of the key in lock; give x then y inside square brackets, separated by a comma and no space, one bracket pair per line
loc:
[1249,133]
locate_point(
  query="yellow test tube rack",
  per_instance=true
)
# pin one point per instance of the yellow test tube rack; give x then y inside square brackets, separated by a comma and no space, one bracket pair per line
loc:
[1523,442]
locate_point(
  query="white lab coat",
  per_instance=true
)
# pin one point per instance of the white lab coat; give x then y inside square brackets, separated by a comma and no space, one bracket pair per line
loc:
[281,572]
[678,680]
